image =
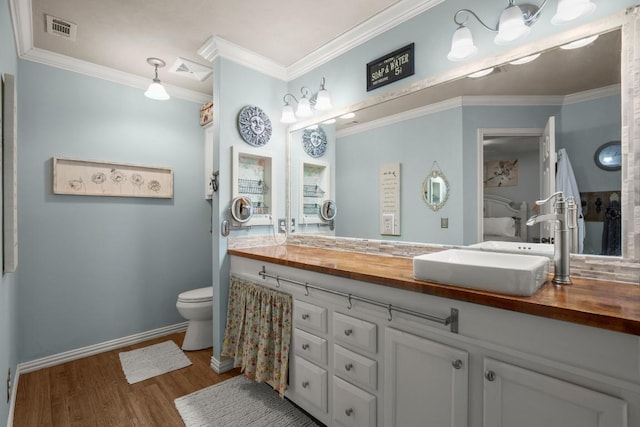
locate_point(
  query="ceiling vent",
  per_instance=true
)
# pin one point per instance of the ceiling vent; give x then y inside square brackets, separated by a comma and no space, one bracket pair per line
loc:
[190,69]
[62,28]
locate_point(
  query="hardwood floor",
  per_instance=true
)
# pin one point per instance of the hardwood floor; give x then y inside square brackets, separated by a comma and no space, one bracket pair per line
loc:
[94,392]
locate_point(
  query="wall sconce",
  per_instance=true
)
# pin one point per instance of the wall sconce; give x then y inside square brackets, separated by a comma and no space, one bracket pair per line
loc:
[515,22]
[156,90]
[321,101]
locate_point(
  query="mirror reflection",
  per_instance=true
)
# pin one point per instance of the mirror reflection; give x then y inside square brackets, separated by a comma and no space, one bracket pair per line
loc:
[465,125]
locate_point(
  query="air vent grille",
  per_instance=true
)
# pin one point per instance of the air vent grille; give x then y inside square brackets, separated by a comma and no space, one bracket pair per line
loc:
[62,28]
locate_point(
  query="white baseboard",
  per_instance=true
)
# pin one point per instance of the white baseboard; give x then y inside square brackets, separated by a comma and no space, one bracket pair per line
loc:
[221,366]
[68,356]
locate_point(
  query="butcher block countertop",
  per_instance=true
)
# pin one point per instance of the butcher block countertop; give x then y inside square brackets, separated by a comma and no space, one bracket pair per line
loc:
[601,304]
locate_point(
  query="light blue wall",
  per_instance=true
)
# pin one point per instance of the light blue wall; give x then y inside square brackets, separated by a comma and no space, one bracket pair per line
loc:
[98,268]
[8,283]
[236,86]
[415,144]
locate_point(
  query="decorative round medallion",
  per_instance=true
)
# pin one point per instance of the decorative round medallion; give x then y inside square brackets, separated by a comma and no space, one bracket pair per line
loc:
[254,126]
[314,141]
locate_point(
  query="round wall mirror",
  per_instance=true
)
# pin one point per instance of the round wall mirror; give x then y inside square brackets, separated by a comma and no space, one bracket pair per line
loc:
[328,210]
[241,209]
[435,190]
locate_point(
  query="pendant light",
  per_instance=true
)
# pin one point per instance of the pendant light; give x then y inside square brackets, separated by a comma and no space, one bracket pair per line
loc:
[156,90]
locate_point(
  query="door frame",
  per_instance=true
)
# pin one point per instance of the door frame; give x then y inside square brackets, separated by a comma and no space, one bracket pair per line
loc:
[482,132]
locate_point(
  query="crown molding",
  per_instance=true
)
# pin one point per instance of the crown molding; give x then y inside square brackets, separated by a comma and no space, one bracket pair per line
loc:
[401,117]
[593,94]
[216,46]
[68,63]
[387,19]
[483,101]
[20,11]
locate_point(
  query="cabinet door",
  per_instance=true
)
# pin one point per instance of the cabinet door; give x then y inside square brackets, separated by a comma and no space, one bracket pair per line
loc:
[516,397]
[426,383]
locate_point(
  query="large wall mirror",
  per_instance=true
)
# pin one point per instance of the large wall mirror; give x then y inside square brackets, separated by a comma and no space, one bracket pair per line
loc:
[479,128]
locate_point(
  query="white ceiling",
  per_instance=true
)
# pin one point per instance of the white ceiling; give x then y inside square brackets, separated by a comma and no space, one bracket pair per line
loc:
[121,34]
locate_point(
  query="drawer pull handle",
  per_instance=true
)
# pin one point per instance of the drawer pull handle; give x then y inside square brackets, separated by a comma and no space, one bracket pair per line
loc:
[305,316]
[305,384]
[348,411]
[490,375]
[457,364]
[348,366]
[348,332]
[305,346]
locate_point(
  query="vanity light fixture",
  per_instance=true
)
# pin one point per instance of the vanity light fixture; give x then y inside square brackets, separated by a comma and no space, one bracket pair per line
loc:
[306,104]
[526,59]
[156,90]
[481,73]
[515,22]
[579,43]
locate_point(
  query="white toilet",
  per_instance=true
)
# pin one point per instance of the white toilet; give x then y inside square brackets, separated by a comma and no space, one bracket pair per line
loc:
[196,306]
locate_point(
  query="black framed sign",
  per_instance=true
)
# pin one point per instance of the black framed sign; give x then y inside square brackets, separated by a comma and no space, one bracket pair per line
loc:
[391,67]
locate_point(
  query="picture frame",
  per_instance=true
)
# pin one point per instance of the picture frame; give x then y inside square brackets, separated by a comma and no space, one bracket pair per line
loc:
[99,178]
[9,174]
[501,173]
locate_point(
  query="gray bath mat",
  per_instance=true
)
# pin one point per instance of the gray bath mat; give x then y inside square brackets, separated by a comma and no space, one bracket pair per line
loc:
[144,363]
[239,402]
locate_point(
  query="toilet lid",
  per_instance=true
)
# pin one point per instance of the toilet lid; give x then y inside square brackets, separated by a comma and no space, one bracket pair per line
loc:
[197,295]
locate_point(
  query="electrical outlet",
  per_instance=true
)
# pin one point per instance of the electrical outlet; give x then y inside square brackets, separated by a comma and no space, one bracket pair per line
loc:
[282,225]
[293,225]
[9,385]
[444,222]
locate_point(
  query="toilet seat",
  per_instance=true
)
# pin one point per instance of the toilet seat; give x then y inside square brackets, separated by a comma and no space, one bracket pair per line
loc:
[197,295]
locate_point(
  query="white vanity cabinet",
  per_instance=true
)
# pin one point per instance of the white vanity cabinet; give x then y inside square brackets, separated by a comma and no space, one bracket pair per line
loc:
[502,369]
[424,380]
[517,397]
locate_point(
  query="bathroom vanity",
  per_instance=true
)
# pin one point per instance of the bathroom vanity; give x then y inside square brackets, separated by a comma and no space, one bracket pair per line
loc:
[566,356]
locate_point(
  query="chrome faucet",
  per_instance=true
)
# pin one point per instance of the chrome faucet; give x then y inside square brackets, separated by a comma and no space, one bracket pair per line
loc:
[566,235]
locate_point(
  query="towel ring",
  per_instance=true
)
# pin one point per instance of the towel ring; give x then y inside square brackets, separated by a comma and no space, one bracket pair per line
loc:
[306,289]
[349,305]
[390,318]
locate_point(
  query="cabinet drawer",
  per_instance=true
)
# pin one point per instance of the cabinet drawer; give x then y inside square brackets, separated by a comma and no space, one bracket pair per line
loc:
[352,406]
[310,346]
[310,383]
[355,367]
[310,316]
[355,332]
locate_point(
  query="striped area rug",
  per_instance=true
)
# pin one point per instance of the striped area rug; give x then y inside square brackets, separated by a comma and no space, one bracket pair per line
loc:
[147,362]
[239,402]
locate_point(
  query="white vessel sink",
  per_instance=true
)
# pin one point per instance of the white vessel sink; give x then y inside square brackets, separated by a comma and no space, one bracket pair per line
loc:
[513,274]
[544,249]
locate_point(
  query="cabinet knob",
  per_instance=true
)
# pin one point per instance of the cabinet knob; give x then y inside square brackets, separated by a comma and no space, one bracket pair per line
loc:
[457,364]
[305,346]
[305,384]
[305,316]
[348,366]
[348,332]
[490,375]
[348,411]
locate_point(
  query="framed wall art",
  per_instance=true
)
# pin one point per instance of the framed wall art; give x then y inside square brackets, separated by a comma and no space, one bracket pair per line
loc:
[96,178]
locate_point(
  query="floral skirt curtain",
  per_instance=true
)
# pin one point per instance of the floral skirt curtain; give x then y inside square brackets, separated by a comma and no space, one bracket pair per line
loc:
[258,332]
